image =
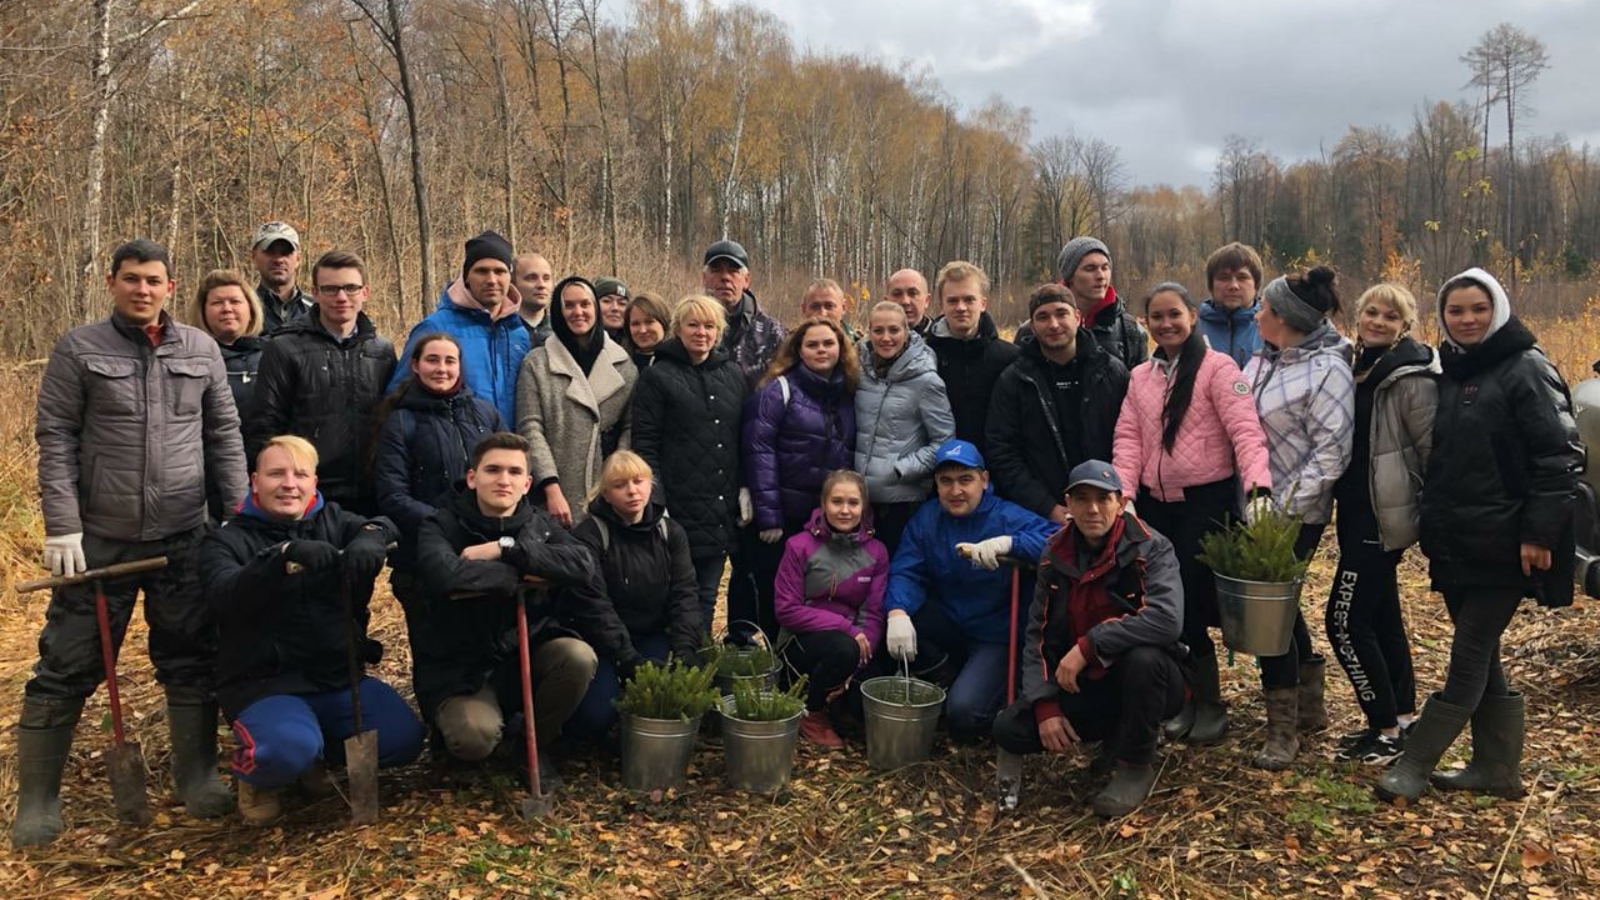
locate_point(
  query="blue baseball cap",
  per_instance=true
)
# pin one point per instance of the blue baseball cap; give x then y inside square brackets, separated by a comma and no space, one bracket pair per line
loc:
[1095,473]
[958,452]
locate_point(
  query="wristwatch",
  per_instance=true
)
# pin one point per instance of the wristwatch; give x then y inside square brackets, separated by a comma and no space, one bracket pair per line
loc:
[507,543]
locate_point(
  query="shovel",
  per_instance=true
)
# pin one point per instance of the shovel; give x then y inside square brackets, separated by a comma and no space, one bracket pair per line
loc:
[1008,765]
[537,804]
[124,759]
[361,747]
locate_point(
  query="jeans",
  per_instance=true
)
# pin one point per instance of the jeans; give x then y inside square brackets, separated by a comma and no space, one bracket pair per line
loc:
[281,736]
[1278,672]
[1126,706]
[595,715]
[708,573]
[1364,622]
[972,672]
[1480,615]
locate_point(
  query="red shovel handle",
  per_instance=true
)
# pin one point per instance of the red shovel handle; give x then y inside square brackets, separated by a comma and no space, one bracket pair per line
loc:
[528,733]
[108,657]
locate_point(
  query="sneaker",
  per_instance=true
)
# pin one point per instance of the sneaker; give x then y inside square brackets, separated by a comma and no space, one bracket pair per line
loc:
[1359,736]
[816,728]
[1378,750]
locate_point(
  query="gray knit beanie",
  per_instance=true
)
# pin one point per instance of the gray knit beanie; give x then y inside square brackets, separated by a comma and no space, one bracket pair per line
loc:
[1073,252]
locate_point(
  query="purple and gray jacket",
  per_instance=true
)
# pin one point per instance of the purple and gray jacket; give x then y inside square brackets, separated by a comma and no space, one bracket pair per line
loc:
[833,582]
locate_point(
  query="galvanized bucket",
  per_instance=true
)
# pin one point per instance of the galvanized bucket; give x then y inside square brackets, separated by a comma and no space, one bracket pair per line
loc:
[760,755]
[764,681]
[1258,616]
[902,714]
[656,752]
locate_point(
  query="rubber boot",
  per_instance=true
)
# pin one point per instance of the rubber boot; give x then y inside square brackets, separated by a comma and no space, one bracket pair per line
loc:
[1210,713]
[44,737]
[194,760]
[1313,713]
[1282,738]
[1129,786]
[1496,766]
[1435,731]
[258,805]
[1178,727]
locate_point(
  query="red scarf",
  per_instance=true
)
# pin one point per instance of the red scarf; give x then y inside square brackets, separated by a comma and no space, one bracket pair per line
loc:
[1110,298]
[1088,604]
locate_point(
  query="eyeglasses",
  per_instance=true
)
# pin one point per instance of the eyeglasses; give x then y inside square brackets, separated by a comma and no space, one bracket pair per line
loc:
[334,290]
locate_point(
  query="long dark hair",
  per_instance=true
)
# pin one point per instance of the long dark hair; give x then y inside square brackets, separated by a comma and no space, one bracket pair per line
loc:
[1190,356]
[386,406]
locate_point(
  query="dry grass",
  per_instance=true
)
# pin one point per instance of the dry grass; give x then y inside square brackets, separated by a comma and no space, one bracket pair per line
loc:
[1215,828]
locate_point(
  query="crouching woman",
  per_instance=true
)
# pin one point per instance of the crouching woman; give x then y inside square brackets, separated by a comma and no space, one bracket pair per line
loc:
[278,574]
[1100,660]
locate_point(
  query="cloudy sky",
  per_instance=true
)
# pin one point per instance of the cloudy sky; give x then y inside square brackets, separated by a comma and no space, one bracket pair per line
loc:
[1167,80]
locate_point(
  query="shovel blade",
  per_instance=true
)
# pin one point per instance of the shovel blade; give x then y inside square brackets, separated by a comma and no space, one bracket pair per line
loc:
[535,806]
[361,763]
[125,767]
[1008,769]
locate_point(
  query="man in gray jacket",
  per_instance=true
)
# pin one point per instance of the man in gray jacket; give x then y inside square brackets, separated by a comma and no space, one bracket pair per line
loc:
[134,412]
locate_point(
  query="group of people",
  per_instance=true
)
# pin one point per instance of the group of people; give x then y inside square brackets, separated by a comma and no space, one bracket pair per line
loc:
[599,457]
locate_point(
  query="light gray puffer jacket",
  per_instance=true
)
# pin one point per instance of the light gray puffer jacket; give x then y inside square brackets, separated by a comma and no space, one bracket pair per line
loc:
[1306,398]
[901,419]
[563,414]
[1403,407]
[127,432]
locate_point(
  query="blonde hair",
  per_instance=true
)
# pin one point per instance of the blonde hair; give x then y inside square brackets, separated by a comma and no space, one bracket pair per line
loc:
[224,278]
[1395,296]
[623,465]
[888,306]
[299,449]
[960,270]
[699,306]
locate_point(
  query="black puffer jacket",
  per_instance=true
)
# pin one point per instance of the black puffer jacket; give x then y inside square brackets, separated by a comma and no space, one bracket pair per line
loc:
[970,369]
[686,425]
[1504,470]
[1027,455]
[323,389]
[283,633]
[1115,329]
[464,629]
[243,361]
[424,448]
[649,579]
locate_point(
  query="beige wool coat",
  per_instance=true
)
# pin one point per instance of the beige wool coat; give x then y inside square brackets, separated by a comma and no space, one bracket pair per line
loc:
[563,414]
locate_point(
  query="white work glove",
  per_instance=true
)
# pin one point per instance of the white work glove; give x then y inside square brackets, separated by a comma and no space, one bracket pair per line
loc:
[63,555]
[747,511]
[986,554]
[771,535]
[902,638]
[1257,507]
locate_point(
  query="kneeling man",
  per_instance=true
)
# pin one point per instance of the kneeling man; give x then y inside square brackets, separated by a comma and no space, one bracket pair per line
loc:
[277,574]
[479,555]
[1101,658]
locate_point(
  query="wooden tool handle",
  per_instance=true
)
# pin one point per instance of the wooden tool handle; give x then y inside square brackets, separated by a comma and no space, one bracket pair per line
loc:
[116,570]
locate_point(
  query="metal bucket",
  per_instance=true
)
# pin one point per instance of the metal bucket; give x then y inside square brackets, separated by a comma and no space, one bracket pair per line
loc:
[1258,616]
[760,755]
[765,681]
[902,714]
[656,752]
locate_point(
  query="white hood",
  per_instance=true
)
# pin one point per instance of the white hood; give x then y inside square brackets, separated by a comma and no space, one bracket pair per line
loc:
[1497,298]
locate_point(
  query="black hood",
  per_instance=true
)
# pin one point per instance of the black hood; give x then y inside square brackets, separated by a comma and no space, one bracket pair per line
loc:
[653,511]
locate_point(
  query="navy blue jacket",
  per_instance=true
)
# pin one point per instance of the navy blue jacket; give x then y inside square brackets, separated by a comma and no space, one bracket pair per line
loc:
[791,446]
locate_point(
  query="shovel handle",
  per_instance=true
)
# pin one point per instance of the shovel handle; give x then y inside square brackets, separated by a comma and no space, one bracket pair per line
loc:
[108,658]
[116,570]
[530,737]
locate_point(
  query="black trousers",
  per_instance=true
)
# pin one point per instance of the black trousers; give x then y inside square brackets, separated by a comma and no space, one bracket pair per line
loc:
[1126,706]
[750,584]
[889,522]
[1364,622]
[1204,509]
[183,633]
[827,658]
[1284,671]
[1480,615]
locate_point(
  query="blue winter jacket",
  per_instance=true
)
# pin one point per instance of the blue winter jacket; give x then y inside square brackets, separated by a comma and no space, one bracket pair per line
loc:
[1231,331]
[926,567]
[491,350]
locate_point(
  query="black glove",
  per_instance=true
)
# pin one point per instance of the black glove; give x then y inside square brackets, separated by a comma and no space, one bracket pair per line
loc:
[364,557]
[312,556]
[627,666]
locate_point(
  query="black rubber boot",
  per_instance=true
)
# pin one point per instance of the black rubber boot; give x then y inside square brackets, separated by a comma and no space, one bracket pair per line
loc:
[1435,731]
[1129,787]
[1313,712]
[1282,739]
[1210,713]
[1498,728]
[1177,728]
[44,737]
[194,760]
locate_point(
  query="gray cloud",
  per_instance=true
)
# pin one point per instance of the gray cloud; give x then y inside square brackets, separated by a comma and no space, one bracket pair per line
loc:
[1167,80]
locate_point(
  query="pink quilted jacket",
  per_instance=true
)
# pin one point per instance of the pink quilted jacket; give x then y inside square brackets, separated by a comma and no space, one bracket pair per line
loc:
[1220,434]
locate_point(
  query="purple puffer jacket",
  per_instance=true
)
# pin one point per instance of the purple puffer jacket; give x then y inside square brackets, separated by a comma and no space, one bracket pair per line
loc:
[833,582]
[790,448]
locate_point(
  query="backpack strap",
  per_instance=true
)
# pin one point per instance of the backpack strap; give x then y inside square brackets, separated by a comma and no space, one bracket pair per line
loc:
[605,534]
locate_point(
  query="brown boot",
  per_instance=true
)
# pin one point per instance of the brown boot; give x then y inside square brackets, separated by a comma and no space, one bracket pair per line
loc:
[258,806]
[1313,713]
[817,728]
[1282,739]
